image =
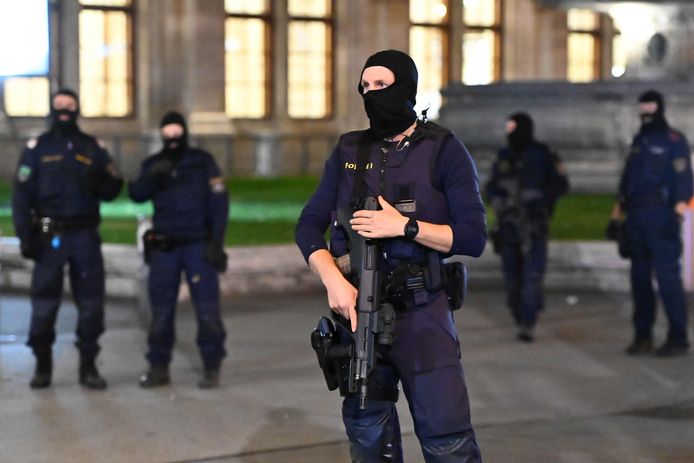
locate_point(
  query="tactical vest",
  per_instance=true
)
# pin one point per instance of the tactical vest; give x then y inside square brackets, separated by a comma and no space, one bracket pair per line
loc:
[404,174]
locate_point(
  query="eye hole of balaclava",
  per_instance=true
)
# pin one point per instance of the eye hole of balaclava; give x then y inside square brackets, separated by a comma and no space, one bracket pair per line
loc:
[391,110]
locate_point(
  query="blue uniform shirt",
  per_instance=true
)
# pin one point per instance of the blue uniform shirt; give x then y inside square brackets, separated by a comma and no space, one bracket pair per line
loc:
[194,203]
[658,171]
[63,177]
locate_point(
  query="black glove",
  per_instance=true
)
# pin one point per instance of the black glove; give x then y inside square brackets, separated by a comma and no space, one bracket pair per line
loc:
[30,248]
[160,172]
[215,255]
[613,230]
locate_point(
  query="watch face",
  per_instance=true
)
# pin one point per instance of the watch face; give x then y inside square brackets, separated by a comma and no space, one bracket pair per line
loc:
[411,229]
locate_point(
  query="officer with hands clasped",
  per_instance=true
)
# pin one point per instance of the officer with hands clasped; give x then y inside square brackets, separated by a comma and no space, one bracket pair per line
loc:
[191,209]
[526,181]
[654,190]
[430,208]
[61,178]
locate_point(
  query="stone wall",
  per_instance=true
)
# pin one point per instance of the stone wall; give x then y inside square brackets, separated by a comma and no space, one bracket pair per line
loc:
[590,125]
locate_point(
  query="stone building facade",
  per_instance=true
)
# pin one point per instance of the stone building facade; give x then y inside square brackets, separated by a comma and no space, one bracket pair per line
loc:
[178,62]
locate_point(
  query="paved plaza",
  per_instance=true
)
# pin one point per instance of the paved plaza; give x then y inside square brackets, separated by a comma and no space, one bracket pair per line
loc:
[573,396]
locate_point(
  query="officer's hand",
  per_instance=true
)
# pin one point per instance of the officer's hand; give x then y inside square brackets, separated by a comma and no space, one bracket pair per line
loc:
[681,208]
[215,255]
[160,172]
[613,230]
[386,223]
[30,249]
[342,298]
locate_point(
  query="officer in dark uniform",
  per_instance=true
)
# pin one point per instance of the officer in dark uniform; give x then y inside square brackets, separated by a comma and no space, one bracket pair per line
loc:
[61,178]
[191,210]
[654,190]
[430,205]
[526,181]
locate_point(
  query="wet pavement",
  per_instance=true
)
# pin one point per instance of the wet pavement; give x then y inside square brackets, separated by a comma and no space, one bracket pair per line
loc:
[572,396]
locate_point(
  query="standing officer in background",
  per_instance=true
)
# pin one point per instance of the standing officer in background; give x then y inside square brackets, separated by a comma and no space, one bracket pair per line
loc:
[61,178]
[427,188]
[654,190]
[191,210]
[526,181]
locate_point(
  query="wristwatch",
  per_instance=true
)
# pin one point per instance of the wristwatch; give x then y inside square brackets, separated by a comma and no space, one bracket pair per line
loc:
[411,229]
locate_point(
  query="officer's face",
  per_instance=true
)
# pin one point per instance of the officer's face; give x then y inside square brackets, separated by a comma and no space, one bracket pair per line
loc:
[649,107]
[65,102]
[376,78]
[510,126]
[171,131]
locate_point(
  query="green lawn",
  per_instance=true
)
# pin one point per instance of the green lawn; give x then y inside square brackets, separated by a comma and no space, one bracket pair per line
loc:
[264,211]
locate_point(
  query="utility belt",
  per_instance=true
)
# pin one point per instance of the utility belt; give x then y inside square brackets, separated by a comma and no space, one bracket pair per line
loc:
[409,285]
[53,226]
[154,240]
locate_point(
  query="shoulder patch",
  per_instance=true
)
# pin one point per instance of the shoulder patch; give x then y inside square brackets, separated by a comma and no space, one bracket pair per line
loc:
[679,165]
[112,171]
[23,173]
[561,168]
[32,142]
[675,136]
[217,185]
[101,143]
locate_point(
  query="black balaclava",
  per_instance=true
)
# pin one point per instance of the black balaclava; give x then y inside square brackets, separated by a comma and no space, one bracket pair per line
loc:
[655,121]
[391,110]
[69,126]
[181,143]
[522,135]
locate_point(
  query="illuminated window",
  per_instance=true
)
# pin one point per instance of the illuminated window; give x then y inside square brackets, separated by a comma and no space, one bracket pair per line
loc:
[429,38]
[24,59]
[106,58]
[481,41]
[247,59]
[583,45]
[27,96]
[309,60]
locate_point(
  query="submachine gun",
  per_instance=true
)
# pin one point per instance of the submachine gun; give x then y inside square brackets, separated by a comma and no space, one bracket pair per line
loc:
[514,212]
[348,359]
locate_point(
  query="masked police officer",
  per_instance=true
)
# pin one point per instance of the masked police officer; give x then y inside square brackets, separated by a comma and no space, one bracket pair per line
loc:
[654,190]
[191,209]
[526,181]
[426,185]
[61,178]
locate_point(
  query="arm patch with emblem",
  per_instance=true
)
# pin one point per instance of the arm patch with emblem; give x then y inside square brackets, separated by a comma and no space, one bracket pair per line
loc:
[23,173]
[679,165]
[217,185]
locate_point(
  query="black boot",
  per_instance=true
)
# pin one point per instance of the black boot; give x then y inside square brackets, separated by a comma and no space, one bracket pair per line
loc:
[44,370]
[158,375]
[89,375]
[209,379]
